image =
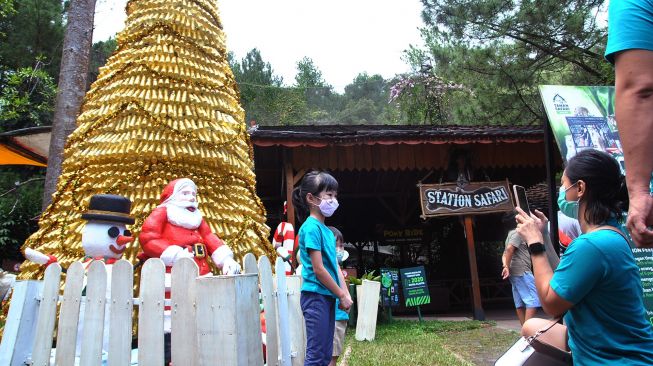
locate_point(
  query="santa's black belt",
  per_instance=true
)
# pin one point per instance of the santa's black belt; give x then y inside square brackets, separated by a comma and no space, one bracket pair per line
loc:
[199,250]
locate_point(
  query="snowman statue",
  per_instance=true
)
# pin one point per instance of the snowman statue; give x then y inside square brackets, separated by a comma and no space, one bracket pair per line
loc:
[104,238]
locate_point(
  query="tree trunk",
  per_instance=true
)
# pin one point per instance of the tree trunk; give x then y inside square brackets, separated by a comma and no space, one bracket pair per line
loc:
[72,86]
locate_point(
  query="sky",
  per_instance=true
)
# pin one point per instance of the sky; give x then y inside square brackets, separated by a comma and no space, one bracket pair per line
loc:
[343,37]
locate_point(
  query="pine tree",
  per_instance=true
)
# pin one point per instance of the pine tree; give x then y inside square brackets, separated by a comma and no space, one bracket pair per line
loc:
[164,107]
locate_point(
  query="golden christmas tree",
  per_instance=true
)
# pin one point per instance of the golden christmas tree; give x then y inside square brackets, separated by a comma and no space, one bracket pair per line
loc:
[164,107]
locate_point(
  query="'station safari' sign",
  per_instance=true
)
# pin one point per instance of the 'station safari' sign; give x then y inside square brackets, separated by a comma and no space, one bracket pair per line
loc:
[474,198]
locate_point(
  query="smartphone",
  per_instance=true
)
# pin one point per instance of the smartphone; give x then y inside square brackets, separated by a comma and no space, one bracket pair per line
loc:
[520,198]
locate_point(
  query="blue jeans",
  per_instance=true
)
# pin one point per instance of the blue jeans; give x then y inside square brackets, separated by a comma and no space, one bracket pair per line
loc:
[319,315]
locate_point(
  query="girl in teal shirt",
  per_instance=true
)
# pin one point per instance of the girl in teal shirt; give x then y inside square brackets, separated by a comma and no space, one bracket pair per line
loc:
[315,199]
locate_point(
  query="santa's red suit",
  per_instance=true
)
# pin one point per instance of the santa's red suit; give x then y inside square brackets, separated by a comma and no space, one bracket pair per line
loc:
[158,234]
[161,238]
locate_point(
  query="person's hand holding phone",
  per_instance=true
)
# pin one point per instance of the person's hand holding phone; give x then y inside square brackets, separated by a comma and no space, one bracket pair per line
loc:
[540,220]
[529,227]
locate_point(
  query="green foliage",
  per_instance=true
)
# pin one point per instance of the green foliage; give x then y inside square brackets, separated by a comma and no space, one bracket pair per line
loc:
[367,276]
[26,99]
[308,75]
[311,100]
[19,208]
[6,8]
[100,53]
[264,99]
[252,69]
[321,101]
[365,101]
[34,30]
[502,50]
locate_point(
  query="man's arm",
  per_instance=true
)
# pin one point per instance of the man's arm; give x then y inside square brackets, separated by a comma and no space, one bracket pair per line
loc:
[634,114]
[506,258]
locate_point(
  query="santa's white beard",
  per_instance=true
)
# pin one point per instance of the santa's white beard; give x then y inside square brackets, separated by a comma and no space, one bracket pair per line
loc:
[179,215]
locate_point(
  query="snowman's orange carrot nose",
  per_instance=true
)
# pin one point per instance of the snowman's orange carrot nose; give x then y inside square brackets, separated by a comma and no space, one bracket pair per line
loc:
[122,240]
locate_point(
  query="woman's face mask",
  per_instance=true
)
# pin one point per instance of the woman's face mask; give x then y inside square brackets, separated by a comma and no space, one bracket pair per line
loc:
[569,209]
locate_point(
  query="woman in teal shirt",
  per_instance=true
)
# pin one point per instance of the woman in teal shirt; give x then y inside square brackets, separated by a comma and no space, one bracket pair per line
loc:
[597,285]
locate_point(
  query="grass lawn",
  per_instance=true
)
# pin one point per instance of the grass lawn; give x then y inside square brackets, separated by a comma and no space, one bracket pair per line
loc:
[403,342]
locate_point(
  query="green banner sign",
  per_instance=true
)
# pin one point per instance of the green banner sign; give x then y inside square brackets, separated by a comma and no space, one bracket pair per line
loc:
[416,290]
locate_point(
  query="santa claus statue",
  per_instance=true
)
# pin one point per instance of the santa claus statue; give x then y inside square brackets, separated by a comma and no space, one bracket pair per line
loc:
[176,229]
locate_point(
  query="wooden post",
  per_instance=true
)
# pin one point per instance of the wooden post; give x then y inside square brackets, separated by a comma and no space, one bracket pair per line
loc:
[551,185]
[282,313]
[290,178]
[479,314]
[249,263]
[69,315]
[270,307]
[47,316]
[120,314]
[184,318]
[228,323]
[296,320]
[20,328]
[96,292]
[368,306]
[150,313]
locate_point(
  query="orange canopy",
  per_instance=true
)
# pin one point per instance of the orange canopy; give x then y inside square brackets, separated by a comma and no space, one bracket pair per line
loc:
[25,147]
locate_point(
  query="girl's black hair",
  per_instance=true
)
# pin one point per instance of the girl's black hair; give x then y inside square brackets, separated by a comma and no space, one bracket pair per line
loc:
[313,182]
[606,194]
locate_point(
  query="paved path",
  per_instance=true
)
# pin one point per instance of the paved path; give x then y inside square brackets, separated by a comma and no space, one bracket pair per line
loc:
[505,318]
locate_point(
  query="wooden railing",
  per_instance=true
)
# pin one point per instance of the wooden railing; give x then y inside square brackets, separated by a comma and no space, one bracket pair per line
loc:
[214,320]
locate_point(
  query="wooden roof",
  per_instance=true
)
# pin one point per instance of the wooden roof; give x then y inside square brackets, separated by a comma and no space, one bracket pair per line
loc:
[400,147]
[319,136]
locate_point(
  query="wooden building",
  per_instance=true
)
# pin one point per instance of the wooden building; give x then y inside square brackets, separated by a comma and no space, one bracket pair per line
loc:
[378,169]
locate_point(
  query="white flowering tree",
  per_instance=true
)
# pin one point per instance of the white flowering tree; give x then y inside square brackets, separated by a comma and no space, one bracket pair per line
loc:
[423,97]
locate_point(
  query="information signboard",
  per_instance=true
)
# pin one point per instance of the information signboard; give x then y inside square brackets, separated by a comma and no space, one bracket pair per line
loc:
[416,290]
[390,286]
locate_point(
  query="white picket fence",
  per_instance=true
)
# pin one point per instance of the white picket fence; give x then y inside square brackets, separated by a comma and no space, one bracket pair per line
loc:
[215,320]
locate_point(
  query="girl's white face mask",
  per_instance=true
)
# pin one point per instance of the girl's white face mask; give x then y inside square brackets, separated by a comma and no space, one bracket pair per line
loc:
[328,206]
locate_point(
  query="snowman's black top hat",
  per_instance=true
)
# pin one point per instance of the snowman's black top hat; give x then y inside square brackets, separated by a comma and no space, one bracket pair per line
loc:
[109,207]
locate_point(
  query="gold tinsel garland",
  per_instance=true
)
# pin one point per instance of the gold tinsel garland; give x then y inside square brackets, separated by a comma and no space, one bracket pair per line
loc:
[165,106]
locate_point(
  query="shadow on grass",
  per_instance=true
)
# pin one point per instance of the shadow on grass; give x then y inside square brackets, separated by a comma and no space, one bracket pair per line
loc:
[403,342]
